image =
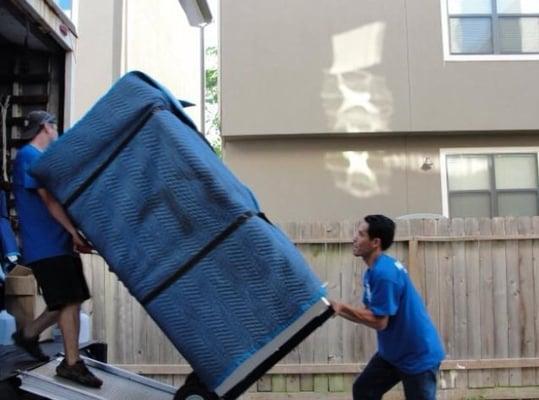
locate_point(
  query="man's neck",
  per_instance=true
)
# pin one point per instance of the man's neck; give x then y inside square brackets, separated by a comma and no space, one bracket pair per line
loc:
[40,142]
[370,260]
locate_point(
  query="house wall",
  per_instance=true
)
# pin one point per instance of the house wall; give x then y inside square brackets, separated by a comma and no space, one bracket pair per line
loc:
[313,66]
[96,53]
[161,43]
[333,179]
[119,36]
[330,108]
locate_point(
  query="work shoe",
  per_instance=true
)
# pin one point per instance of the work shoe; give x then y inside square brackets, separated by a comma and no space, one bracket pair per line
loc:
[30,345]
[79,373]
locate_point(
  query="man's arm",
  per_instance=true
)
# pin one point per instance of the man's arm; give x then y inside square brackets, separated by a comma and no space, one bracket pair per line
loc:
[360,315]
[57,211]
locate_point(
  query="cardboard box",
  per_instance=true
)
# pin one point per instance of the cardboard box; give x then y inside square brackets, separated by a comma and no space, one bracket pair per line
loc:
[23,300]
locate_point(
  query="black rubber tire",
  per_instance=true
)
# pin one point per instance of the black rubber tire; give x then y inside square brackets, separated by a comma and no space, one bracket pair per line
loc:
[192,380]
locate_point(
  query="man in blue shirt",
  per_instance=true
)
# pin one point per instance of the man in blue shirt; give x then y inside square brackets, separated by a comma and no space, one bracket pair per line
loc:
[49,241]
[409,347]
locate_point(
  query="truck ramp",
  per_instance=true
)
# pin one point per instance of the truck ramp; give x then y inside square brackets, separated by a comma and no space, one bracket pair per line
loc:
[117,384]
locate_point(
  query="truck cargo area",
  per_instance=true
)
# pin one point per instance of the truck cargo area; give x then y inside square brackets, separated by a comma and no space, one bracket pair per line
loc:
[22,378]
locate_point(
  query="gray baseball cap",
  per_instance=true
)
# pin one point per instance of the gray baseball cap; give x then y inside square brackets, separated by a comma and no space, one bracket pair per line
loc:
[34,121]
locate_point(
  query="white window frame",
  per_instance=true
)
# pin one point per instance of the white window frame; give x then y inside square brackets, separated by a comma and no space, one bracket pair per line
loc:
[474,57]
[473,150]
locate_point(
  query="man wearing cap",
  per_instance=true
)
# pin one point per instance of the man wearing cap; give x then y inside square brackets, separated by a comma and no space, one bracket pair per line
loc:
[50,244]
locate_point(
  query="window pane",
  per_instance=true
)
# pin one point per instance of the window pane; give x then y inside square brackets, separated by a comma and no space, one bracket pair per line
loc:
[519,35]
[469,6]
[516,171]
[471,35]
[518,6]
[469,205]
[468,172]
[517,204]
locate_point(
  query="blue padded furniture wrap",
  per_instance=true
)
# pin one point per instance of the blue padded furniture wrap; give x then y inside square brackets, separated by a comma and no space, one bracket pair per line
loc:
[157,198]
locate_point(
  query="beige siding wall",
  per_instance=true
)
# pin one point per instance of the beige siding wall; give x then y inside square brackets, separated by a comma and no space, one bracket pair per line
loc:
[334,179]
[313,66]
[161,43]
[119,36]
[94,54]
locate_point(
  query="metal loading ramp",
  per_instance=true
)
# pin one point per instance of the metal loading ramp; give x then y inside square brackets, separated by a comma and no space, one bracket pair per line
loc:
[117,384]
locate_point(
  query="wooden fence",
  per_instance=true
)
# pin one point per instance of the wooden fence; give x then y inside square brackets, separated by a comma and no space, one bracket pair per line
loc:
[479,279]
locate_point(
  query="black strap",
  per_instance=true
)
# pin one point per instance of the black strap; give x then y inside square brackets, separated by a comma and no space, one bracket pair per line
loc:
[165,283]
[133,130]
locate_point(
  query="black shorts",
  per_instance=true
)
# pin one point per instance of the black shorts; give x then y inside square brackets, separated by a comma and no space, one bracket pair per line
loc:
[61,280]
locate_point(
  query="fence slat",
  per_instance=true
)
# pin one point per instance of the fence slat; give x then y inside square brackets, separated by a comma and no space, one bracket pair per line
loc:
[306,348]
[432,279]
[487,300]
[98,290]
[459,293]
[513,299]
[501,322]
[334,269]
[535,266]
[113,336]
[527,309]
[292,381]
[471,227]
[351,290]
[321,383]
[125,316]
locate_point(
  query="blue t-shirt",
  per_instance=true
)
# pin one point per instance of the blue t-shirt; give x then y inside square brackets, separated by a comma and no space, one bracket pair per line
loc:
[410,341]
[41,235]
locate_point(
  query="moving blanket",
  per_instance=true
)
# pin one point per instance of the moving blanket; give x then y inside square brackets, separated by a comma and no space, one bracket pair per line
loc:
[181,232]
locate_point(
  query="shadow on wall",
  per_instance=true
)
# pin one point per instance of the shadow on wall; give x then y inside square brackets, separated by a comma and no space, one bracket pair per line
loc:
[353,174]
[354,98]
[364,174]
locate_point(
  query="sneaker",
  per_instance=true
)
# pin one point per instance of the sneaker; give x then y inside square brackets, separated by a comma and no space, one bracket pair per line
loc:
[30,345]
[79,373]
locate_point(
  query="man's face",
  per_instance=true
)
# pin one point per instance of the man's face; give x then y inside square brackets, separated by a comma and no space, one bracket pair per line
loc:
[362,245]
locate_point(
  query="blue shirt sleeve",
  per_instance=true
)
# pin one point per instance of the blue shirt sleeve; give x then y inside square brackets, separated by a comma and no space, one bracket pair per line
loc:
[28,181]
[384,298]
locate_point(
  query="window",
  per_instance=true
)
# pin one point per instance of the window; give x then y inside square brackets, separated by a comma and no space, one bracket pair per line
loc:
[491,184]
[480,27]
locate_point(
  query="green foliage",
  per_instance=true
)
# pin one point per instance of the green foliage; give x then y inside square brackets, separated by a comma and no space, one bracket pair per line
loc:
[211,100]
[212,76]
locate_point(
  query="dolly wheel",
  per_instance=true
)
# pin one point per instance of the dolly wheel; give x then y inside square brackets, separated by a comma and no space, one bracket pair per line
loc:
[194,392]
